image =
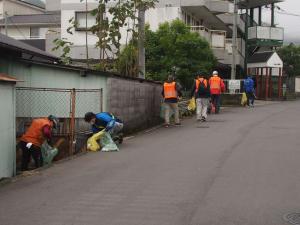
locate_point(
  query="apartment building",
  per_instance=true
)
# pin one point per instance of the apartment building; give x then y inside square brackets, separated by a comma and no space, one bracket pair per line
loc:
[27,21]
[212,19]
[201,15]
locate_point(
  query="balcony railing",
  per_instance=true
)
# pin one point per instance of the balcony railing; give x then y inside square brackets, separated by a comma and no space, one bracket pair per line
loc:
[28,37]
[216,38]
[266,33]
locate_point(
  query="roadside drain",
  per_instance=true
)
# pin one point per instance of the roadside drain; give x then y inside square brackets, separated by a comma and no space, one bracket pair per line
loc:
[292,218]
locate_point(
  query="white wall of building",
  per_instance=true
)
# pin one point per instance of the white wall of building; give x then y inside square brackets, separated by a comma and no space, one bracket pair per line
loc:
[18,33]
[166,11]
[153,16]
[78,37]
[156,16]
[1,10]
[24,32]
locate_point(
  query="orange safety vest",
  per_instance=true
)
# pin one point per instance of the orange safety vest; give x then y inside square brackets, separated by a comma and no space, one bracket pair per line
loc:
[198,81]
[170,90]
[215,82]
[34,134]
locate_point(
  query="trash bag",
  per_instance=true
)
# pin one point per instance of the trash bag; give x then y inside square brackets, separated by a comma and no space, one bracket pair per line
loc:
[244,99]
[107,143]
[192,104]
[48,153]
[92,142]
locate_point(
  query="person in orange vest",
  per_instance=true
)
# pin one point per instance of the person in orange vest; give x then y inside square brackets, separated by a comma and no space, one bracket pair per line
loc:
[39,131]
[171,93]
[217,86]
[201,92]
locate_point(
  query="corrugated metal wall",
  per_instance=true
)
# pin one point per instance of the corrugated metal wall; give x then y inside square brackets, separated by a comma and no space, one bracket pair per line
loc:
[42,76]
[7,130]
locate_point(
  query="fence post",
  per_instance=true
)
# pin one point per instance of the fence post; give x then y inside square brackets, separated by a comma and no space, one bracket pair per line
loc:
[101,100]
[72,121]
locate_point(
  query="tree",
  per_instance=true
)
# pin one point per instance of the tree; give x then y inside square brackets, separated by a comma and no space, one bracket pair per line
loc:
[290,55]
[174,47]
[108,31]
[127,63]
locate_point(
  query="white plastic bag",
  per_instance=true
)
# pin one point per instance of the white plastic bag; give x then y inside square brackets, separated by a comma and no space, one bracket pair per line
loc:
[107,143]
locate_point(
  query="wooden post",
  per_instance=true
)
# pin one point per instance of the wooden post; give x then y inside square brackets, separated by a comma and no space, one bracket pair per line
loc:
[256,78]
[267,84]
[270,83]
[261,83]
[72,121]
[280,83]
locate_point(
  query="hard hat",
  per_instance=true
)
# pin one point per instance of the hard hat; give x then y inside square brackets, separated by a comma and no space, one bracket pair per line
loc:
[215,72]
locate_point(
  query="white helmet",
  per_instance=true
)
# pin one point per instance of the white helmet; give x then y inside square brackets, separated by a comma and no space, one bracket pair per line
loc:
[215,72]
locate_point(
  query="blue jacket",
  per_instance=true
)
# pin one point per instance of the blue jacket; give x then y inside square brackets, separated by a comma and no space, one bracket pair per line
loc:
[102,120]
[249,85]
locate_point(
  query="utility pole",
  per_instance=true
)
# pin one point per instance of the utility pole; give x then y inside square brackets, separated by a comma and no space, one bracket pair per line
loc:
[5,21]
[86,34]
[141,41]
[234,41]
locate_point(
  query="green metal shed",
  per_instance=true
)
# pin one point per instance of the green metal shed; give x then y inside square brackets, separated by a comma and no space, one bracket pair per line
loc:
[7,126]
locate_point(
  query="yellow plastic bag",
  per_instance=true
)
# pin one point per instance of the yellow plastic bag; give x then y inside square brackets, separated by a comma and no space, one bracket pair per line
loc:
[192,104]
[244,99]
[92,142]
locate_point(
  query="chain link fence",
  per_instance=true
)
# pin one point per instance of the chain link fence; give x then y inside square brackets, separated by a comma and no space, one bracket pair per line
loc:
[68,105]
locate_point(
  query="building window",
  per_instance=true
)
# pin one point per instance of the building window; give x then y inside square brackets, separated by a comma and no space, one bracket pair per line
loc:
[80,18]
[34,32]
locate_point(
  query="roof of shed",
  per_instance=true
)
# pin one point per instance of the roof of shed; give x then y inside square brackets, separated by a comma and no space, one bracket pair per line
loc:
[260,57]
[4,77]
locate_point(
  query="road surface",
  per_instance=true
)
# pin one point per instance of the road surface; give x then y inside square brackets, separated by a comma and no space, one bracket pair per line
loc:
[242,167]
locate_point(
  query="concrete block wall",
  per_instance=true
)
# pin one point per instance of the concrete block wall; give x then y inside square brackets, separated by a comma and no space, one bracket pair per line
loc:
[136,103]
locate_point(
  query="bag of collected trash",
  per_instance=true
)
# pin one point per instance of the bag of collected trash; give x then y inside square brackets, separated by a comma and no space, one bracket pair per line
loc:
[107,143]
[92,142]
[244,99]
[48,153]
[192,104]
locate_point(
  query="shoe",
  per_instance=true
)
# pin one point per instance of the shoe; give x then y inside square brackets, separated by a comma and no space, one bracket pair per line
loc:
[167,125]
[177,124]
[203,119]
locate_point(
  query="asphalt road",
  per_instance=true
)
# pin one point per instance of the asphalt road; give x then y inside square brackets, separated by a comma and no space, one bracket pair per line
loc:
[242,167]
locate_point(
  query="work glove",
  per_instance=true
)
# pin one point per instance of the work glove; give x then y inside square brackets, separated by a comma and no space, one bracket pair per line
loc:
[28,145]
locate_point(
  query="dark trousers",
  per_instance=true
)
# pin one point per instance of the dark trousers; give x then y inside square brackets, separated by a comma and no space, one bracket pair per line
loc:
[27,153]
[250,98]
[216,101]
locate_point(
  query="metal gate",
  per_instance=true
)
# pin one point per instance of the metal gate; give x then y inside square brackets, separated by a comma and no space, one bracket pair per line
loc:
[69,105]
